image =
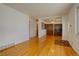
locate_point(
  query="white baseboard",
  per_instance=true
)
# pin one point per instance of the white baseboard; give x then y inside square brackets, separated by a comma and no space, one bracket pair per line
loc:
[11,44]
[74,48]
[6,46]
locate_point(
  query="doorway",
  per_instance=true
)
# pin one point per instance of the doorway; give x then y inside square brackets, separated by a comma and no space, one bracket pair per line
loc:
[54,29]
[58,29]
[37,27]
[49,29]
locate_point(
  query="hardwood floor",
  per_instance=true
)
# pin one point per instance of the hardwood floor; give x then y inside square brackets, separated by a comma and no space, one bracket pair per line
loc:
[39,47]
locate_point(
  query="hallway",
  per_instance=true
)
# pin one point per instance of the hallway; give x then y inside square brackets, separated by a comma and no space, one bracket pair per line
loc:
[44,46]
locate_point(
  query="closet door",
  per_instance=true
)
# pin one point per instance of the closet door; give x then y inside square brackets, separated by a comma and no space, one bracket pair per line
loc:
[57,29]
[49,28]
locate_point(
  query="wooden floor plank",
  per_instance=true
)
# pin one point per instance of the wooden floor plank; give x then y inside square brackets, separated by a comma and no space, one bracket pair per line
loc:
[39,47]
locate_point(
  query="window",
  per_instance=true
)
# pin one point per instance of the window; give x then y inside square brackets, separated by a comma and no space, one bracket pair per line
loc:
[77,21]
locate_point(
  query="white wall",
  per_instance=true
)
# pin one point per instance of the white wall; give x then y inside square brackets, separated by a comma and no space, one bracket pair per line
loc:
[32,27]
[72,36]
[14,26]
[65,27]
[41,32]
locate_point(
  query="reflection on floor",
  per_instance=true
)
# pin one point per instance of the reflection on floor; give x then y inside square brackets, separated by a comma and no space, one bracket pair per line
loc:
[39,47]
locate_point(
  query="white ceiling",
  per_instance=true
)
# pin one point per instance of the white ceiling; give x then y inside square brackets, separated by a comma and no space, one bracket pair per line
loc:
[42,9]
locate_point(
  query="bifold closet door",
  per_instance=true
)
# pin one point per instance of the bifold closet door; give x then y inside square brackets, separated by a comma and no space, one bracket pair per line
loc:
[57,29]
[49,29]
